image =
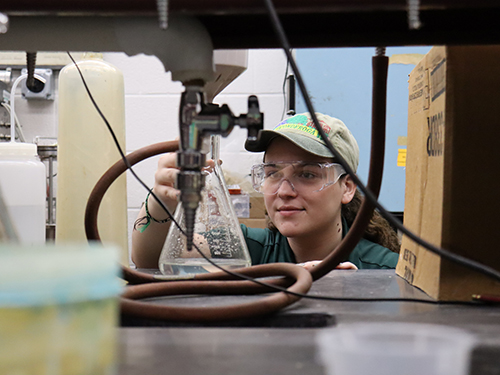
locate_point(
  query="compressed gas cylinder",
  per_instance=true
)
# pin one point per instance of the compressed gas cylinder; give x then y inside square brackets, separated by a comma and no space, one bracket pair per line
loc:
[86,151]
[23,187]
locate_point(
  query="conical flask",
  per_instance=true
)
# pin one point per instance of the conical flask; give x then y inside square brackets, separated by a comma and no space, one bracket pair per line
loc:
[217,232]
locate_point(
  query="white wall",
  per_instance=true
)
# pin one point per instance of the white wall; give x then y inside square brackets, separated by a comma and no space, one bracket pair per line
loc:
[152,106]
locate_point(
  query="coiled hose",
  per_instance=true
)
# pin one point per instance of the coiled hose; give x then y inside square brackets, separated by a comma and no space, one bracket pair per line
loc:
[143,285]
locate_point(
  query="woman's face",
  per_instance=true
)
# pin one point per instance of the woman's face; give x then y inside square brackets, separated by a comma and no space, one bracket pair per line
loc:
[296,214]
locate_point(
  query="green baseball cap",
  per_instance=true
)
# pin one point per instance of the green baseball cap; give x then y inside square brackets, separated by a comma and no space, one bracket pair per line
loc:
[300,130]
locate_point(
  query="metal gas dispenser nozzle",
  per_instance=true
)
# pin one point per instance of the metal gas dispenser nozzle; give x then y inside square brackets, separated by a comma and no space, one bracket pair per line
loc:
[199,120]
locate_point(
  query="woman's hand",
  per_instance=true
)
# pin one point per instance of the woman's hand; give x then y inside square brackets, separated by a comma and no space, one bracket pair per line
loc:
[166,177]
[148,242]
[342,266]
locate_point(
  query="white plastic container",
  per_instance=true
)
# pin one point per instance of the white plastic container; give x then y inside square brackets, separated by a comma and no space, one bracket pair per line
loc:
[86,150]
[58,310]
[388,348]
[24,189]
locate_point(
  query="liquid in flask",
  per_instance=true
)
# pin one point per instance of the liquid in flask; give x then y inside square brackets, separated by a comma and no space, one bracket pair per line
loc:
[217,232]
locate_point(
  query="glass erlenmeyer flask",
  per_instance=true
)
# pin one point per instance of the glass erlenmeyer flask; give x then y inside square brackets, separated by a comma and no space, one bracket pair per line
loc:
[217,231]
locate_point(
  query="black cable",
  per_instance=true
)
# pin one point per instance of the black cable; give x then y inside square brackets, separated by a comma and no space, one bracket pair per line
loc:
[400,299]
[243,277]
[291,95]
[32,83]
[117,143]
[129,167]
[30,65]
[446,254]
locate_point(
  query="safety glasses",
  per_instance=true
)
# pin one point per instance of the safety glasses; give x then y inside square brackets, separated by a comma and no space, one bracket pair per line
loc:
[304,177]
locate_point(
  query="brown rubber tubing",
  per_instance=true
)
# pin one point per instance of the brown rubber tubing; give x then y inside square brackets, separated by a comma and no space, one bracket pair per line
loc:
[270,304]
[266,305]
[204,283]
[377,152]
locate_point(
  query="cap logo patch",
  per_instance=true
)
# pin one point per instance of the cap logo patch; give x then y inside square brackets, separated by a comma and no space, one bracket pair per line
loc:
[302,123]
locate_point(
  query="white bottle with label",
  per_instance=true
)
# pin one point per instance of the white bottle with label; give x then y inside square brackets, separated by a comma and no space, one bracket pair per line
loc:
[24,190]
[86,151]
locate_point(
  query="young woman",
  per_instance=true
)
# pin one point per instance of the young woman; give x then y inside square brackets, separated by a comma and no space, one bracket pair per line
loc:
[309,198]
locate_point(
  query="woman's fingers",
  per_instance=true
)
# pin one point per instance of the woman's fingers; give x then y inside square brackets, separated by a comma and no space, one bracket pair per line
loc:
[209,166]
[342,266]
[166,177]
[347,266]
[168,160]
[310,265]
[168,194]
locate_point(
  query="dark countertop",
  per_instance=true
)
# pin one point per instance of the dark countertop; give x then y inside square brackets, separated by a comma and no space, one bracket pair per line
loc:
[285,342]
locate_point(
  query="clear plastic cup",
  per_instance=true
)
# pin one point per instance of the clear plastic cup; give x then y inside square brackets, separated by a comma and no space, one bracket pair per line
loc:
[395,348]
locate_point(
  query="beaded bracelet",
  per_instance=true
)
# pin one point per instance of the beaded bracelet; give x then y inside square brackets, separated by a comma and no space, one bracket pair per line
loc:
[149,215]
[140,225]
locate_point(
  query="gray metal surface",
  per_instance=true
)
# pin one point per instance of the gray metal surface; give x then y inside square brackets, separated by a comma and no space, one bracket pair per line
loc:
[243,350]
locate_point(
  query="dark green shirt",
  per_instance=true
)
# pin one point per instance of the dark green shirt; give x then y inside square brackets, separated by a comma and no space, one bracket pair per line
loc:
[266,246]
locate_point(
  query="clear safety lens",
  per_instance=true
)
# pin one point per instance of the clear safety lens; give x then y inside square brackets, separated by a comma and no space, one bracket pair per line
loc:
[303,177]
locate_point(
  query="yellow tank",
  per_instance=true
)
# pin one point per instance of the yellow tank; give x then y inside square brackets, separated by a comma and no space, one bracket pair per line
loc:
[86,150]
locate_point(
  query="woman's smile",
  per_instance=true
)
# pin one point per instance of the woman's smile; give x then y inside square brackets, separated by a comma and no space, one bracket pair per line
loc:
[289,210]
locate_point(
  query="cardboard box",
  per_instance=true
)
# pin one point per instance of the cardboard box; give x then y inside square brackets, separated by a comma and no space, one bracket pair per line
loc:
[452,171]
[257,207]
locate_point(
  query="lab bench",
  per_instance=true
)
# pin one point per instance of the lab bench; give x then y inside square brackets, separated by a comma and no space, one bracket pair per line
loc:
[285,343]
